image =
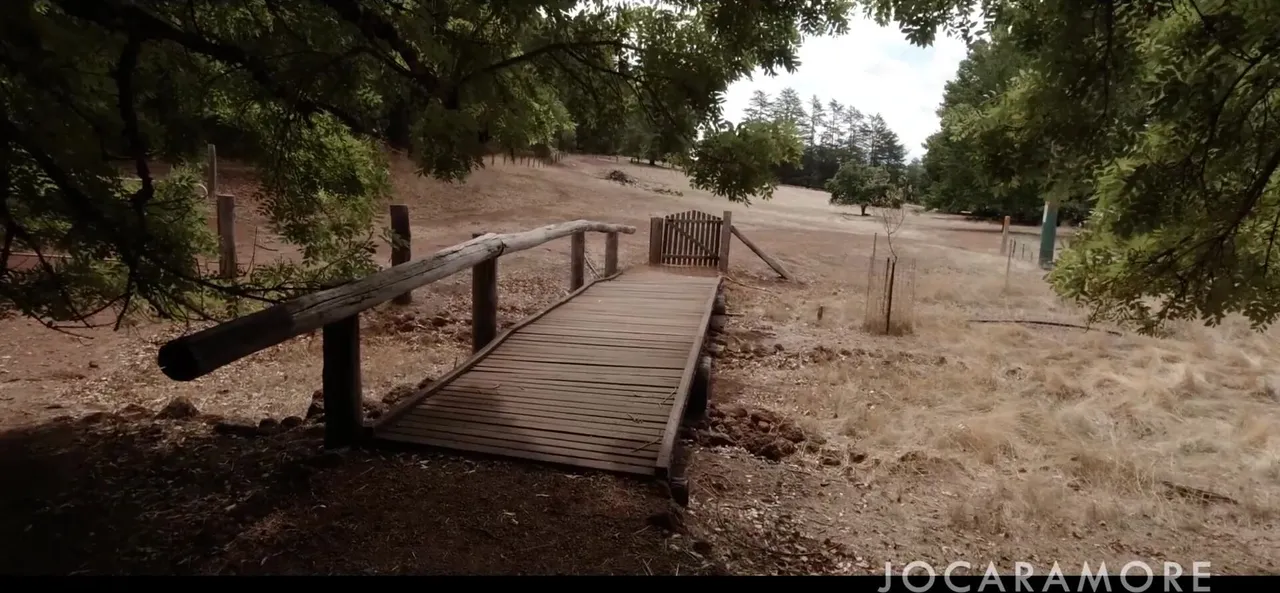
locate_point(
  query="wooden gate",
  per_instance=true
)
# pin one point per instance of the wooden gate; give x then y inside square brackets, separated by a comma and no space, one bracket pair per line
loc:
[690,239]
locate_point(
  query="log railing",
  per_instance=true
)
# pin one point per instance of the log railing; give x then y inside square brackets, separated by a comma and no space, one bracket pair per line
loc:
[337,310]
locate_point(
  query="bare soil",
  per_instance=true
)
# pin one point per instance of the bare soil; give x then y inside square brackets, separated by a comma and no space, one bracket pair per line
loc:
[828,450]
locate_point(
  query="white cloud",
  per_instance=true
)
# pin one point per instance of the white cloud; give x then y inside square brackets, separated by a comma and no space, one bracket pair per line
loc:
[872,68]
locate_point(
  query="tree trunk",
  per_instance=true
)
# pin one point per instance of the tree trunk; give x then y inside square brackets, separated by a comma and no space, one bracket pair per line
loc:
[398,126]
[864,209]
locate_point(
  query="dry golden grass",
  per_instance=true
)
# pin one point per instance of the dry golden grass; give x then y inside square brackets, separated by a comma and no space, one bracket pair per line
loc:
[973,441]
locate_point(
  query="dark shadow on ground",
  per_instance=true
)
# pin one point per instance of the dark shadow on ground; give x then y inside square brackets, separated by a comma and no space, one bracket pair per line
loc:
[129,494]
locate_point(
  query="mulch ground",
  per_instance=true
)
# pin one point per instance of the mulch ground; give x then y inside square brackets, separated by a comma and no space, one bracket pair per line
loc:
[129,493]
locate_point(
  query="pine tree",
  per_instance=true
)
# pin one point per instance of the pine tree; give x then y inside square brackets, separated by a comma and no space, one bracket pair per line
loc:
[759,108]
[818,132]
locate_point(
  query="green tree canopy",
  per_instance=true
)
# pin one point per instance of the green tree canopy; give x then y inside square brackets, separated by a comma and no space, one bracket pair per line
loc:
[860,184]
[739,162]
[307,90]
[1161,115]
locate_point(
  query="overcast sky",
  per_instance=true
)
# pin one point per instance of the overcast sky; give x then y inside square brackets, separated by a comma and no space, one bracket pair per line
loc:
[872,68]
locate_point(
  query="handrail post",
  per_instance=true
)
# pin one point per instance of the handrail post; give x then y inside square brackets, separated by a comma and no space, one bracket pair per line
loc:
[227,266]
[610,254]
[484,302]
[343,416]
[401,248]
[722,258]
[655,240]
[577,261]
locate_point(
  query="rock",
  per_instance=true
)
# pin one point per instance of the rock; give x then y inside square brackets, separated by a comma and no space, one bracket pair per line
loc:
[778,347]
[268,426]
[720,305]
[715,349]
[236,428]
[179,408]
[717,323]
[773,449]
[315,430]
[790,431]
[317,404]
[290,422]
[857,457]
[211,419]
[440,320]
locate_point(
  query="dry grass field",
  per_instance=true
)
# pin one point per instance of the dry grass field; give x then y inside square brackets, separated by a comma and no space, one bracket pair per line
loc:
[984,442]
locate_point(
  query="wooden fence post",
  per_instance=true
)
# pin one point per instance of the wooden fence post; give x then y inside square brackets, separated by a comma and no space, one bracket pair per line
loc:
[577,261]
[655,240]
[1004,235]
[484,302]
[722,259]
[343,416]
[401,250]
[890,274]
[610,254]
[227,236]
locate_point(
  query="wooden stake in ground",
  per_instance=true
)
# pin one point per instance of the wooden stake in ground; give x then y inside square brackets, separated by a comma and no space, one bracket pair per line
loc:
[227,267]
[1008,263]
[225,207]
[773,263]
[1004,235]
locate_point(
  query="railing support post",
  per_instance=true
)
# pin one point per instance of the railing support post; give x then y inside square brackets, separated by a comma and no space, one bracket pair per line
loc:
[655,240]
[227,267]
[343,416]
[722,258]
[484,302]
[610,254]
[401,251]
[577,261]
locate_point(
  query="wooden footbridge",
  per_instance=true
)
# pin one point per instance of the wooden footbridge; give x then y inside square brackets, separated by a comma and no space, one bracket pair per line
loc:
[600,379]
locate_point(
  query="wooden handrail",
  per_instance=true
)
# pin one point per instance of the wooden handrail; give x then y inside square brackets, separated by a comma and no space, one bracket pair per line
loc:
[193,356]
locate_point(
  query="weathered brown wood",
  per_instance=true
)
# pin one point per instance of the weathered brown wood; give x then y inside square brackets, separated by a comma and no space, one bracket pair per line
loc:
[460,370]
[577,261]
[723,259]
[610,254]
[227,267]
[546,393]
[682,392]
[507,449]
[199,354]
[343,415]
[655,240]
[484,302]
[773,263]
[401,244]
